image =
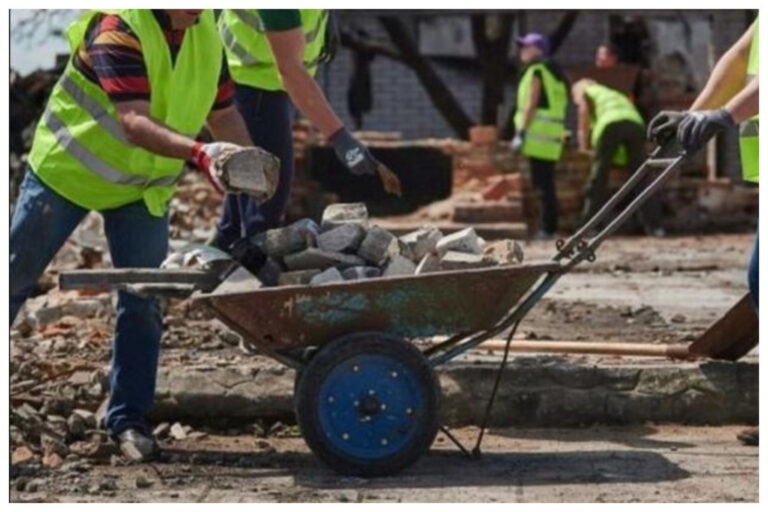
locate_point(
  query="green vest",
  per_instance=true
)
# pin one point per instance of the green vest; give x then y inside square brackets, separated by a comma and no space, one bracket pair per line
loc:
[610,106]
[748,130]
[249,55]
[545,133]
[80,149]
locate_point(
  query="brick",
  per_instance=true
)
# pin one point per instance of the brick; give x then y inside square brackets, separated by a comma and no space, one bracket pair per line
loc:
[378,246]
[353,273]
[337,214]
[505,186]
[483,135]
[429,263]
[465,240]
[345,238]
[489,211]
[292,238]
[504,252]
[297,277]
[331,275]
[399,266]
[314,258]
[453,260]
[416,244]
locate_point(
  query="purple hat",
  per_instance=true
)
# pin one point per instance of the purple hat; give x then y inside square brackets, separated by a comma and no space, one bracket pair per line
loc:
[534,39]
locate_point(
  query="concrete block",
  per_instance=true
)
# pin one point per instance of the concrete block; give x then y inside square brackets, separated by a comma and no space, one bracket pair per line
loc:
[331,275]
[314,258]
[270,272]
[252,170]
[293,238]
[416,244]
[345,238]
[465,241]
[399,266]
[337,214]
[239,281]
[378,246]
[504,252]
[454,260]
[354,273]
[297,277]
[429,263]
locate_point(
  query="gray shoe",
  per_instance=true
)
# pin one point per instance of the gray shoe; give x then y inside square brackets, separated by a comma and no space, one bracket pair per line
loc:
[136,446]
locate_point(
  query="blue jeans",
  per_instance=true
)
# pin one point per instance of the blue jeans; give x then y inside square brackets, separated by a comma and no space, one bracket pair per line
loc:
[42,222]
[753,273]
[268,116]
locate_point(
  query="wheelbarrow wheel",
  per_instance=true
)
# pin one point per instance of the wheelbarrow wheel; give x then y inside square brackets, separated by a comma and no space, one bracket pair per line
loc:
[367,404]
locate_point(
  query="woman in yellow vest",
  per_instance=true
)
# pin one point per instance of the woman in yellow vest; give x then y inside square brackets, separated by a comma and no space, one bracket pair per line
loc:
[730,98]
[542,102]
[273,55]
[610,128]
[115,140]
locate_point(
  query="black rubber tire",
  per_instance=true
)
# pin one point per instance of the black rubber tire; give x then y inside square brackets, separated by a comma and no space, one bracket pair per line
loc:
[334,353]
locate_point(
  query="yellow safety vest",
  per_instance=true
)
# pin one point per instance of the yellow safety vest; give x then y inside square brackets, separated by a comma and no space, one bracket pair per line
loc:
[545,133]
[749,143]
[80,149]
[249,55]
[610,106]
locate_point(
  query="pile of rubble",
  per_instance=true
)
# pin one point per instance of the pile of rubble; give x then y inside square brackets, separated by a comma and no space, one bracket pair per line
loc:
[344,246]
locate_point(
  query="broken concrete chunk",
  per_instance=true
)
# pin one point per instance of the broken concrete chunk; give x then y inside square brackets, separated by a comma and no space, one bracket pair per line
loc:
[378,246]
[292,238]
[429,263]
[505,252]
[314,258]
[418,243]
[270,272]
[332,275]
[297,277]
[344,213]
[399,266]
[465,241]
[239,281]
[251,170]
[353,273]
[345,238]
[454,260]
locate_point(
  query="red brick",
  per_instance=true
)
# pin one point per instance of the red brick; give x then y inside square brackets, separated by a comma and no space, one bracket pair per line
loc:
[503,186]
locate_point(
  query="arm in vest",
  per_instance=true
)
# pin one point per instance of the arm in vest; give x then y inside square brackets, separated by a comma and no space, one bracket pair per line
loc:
[530,108]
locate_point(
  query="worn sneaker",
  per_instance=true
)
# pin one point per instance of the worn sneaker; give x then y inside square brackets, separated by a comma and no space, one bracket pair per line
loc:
[137,446]
[749,437]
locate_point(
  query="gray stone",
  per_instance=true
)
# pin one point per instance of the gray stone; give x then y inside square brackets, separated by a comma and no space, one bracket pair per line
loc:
[344,213]
[399,266]
[292,238]
[453,260]
[351,274]
[239,281]
[378,246]
[345,238]
[505,252]
[314,258]
[332,275]
[251,170]
[465,241]
[417,244]
[297,277]
[429,263]
[269,273]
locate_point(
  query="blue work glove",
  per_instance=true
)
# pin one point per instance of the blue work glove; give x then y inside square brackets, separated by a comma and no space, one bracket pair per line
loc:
[700,126]
[663,126]
[353,154]
[517,142]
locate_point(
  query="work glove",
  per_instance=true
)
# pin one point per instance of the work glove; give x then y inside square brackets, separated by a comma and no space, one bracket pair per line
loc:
[517,141]
[700,126]
[204,157]
[360,161]
[663,126]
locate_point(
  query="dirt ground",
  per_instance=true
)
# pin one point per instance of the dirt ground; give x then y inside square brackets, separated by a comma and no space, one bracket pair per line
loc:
[632,464]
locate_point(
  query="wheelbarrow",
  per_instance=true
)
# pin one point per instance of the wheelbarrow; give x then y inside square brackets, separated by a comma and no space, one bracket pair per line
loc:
[367,399]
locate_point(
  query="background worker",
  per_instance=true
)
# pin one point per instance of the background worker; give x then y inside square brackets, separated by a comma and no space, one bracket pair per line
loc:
[730,98]
[610,128]
[273,56]
[542,103]
[114,138]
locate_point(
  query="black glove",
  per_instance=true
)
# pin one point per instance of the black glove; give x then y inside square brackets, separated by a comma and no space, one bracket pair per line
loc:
[700,126]
[353,153]
[663,127]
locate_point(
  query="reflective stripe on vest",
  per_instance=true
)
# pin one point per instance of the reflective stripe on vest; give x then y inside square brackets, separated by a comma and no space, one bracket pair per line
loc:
[229,40]
[93,107]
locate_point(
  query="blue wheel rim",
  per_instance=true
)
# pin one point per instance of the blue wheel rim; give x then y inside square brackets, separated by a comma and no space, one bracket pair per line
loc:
[370,406]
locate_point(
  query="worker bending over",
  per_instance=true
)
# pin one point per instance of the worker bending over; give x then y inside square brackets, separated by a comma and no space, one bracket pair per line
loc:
[114,137]
[273,55]
[542,102]
[730,98]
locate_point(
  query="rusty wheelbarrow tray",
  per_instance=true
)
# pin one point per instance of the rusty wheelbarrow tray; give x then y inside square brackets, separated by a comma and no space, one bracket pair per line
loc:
[280,321]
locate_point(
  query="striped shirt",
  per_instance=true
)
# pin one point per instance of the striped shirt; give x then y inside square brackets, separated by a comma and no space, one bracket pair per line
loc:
[111,56]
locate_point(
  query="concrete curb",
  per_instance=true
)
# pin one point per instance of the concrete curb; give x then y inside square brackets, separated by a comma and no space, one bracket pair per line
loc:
[535,391]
